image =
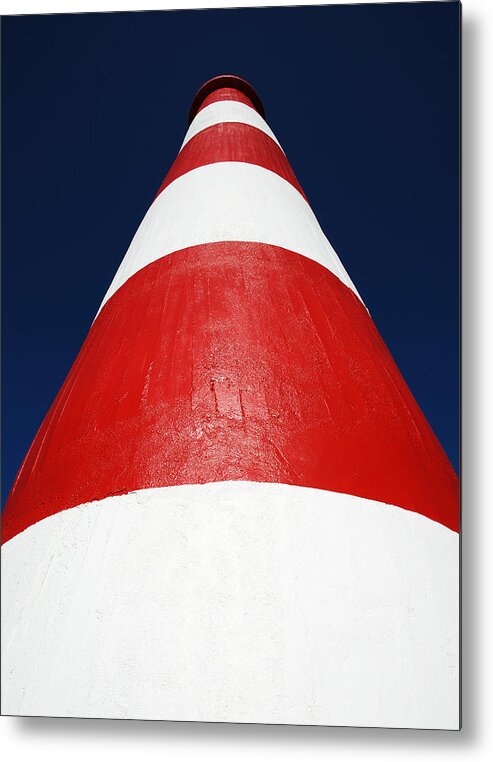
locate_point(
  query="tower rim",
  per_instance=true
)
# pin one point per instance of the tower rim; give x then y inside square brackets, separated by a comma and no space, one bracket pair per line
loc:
[225,80]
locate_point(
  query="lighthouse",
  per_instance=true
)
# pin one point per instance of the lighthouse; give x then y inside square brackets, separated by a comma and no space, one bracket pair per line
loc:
[234,510]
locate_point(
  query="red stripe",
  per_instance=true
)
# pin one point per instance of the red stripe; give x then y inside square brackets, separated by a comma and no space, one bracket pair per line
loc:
[226,94]
[231,141]
[232,361]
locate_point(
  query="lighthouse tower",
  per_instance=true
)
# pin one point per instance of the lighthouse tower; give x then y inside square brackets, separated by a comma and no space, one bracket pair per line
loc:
[234,509]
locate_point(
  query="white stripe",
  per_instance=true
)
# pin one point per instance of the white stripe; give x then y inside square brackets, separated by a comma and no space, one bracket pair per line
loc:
[235,601]
[227,111]
[228,201]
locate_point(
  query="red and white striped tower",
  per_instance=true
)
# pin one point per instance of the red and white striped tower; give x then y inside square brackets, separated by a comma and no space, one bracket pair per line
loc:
[234,509]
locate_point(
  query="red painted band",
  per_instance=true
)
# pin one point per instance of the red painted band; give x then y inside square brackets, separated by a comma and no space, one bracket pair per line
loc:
[225,82]
[232,361]
[231,141]
[226,94]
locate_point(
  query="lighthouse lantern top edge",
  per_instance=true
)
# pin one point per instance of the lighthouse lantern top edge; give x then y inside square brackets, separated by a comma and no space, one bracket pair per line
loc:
[225,80]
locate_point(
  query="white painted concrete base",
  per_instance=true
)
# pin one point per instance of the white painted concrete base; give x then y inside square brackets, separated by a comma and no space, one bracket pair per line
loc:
[236,602]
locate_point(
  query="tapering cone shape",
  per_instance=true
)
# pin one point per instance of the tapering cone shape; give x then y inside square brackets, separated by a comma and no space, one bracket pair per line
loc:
[262,525]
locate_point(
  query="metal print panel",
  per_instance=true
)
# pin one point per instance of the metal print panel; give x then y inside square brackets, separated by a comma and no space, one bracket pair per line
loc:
[235,509]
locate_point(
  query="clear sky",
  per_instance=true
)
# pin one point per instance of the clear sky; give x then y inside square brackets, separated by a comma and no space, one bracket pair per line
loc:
[365,102]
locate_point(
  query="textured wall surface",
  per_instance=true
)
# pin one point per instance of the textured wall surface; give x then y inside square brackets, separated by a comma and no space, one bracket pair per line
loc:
[234,509]
[237,602]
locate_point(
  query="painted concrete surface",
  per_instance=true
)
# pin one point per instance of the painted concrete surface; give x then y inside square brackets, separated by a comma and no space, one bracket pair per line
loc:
[228,201]
[233,361]
[231,141]
[234,601]
[227,111]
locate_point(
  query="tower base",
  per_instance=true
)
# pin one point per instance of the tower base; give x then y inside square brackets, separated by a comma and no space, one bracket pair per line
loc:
[234,602]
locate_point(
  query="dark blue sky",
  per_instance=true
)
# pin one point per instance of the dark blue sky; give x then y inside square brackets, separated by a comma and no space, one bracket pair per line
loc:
[365,102]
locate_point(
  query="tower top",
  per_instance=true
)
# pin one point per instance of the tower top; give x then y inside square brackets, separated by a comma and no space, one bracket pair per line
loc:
[225,80]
